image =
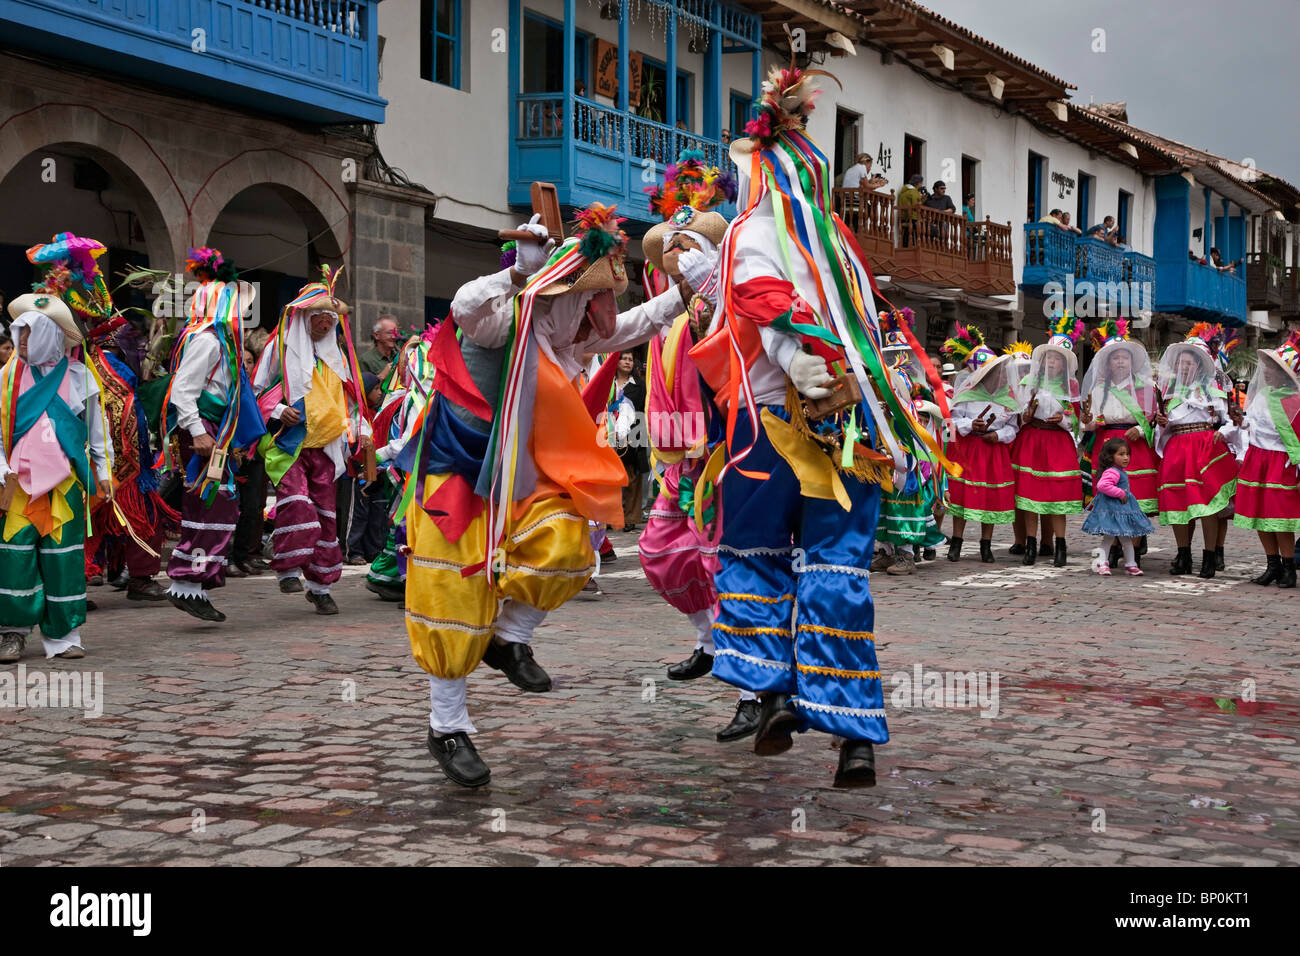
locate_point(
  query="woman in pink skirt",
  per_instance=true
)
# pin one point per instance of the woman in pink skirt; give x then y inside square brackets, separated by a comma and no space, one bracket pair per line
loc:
[985,414]
[1268,485]
[1119,400]
[1046,458]
[1198,471]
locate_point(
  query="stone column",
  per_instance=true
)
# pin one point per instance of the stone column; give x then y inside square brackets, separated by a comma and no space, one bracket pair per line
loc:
[387,260]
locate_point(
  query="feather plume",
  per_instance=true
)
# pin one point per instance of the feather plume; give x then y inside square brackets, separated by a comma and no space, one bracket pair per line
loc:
[1019,347]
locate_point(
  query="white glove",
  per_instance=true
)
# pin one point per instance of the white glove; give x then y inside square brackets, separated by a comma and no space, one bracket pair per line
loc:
[809,374]
[696,266]
[531,256]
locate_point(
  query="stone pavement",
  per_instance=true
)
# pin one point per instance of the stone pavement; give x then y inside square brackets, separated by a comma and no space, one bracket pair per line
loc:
[1138,721]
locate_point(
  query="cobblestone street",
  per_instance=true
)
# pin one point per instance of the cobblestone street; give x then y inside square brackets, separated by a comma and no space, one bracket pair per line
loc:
[1138,721]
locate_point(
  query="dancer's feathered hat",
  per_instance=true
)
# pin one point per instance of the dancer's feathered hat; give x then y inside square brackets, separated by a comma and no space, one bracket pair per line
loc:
[686,200]
[892,338]
[602,246]
[1063,337]
[967,348]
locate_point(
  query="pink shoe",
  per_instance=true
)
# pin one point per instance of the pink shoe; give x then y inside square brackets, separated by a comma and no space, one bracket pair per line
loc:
[1133,571]
[1103,568]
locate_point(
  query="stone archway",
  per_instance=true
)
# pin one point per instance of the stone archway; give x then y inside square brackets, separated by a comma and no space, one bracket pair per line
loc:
[84,131]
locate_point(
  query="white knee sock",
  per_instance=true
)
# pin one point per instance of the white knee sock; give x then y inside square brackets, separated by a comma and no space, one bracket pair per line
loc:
[447,711]
[703,621]
[748,695]
[1126,545]
[517,621]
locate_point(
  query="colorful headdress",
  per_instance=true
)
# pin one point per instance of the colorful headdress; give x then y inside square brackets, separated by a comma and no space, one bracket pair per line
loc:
[1065,332]
[1019,349]
[509,254]
[209,259]
[1231,342]
[72,274]
[1288,354]
[787,100]
[1205,335]
[892,337]
[688,182]
[967,347]
[319,296]
[1109,330]
[594,256]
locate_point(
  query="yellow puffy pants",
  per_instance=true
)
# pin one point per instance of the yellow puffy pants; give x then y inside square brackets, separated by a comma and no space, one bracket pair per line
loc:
[449,618]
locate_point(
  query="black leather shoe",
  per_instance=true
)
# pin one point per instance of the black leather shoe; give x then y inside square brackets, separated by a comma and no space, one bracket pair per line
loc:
[515,660]
[776,722]
[1207,564]
[291,585]
[145,589]
[1272,572]
[857,764]
[324,603]
[1058,559]
[386,591]
[197,607]
[255,566]
[1218,560]
[459,759]
[986,551]
[1031,551]
[1016,549]
[954,549]
[697,665]
[743,724]
[929,554]
[233,570]
[1182,563]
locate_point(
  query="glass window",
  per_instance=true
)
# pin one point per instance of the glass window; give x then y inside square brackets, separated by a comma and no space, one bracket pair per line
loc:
[440,41]
[544,57]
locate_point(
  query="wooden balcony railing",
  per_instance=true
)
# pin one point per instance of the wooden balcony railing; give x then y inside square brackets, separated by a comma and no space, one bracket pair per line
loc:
[1291,291]
[870,216]
[1263,281]
[991,268]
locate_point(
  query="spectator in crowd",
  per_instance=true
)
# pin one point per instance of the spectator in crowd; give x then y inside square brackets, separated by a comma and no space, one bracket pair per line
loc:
[1054,217]
[1121,243]
[909,198]
[859,175]
[378,359]
[6,348]
[1065,224]
[1216,260]
[968,207]
[626,402]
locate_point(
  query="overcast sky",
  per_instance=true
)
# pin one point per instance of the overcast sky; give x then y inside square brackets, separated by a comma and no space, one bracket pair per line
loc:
[1222,75]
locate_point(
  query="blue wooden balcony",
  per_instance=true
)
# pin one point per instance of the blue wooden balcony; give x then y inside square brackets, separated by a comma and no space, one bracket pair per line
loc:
[1059,261]
[1200,292]
[313,60]
[609,153]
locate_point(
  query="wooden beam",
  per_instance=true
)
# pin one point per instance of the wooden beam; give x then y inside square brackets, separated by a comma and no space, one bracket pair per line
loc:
[851,27]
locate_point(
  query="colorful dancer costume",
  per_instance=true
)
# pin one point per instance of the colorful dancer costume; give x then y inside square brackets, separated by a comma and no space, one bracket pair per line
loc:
[309,384]
[49,416]
[801,498]
[1046,459]
[1198,472]
[509,468]
[213,412]
[399,420]
[1119,399]
[679,556]
[986,417]
[1268,484]
[907,524]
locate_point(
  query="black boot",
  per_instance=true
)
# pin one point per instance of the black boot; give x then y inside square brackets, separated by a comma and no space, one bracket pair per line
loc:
[1218,559]
[1207,564]
[1141,548]
[1047,546]
[954,549]
[1287,580]
[743,724]
[1058,559]
[1116,553]
[986,551]
[857,764]
[777,720]
[1182,563]
[1273,571]
[1031,551]
[1016,549]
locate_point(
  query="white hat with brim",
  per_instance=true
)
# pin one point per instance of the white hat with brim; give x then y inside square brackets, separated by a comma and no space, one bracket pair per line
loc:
[977,376]
[51,305]
[1273,360]
[709,224]
[1071,360]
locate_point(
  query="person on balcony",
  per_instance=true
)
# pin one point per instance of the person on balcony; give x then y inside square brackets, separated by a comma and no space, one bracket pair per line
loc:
[1119,400]
[510,467]
[968,207]
[1054,217]
[1198,471]
[1104,230]
[1216,262]
[858,176]
[939,198]
[1065,224]
[1046,458]
[909,199]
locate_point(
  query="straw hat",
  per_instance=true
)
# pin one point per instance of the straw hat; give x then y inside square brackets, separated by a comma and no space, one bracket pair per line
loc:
[51,305]
[710,225]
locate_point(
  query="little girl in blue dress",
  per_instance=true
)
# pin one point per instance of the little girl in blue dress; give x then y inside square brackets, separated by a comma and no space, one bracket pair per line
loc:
[1115,512]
